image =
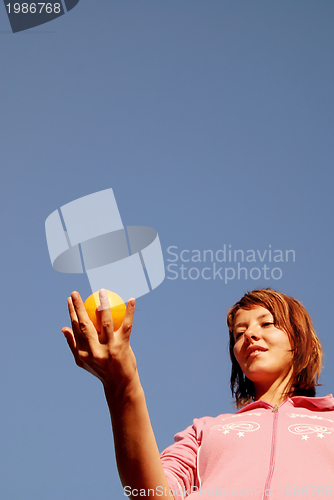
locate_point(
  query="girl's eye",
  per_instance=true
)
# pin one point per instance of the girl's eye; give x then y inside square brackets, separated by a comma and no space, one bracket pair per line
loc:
[238,335]
[266,324]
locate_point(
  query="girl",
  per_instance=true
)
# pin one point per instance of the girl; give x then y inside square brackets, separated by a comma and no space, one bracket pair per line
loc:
[280,443]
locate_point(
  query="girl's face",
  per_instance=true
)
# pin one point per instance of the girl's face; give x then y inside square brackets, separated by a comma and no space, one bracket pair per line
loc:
[262,350]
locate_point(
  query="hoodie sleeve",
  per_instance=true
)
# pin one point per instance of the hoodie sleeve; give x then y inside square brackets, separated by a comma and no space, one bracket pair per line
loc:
[179,462]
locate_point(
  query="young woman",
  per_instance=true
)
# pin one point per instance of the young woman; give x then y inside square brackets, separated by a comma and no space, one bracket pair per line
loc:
[281,442]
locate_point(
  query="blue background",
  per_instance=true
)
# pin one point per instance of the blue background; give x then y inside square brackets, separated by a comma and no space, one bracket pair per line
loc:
[213,123]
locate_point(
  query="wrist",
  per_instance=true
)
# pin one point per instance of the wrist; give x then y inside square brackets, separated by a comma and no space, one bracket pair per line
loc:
[124,394]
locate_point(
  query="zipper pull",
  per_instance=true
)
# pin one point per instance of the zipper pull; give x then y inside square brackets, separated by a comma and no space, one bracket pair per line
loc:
[275,409]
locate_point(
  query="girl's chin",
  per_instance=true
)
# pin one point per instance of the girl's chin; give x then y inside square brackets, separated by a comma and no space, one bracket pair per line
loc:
[258,374]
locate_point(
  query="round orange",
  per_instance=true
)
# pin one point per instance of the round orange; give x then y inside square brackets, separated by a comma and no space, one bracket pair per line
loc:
[117,308]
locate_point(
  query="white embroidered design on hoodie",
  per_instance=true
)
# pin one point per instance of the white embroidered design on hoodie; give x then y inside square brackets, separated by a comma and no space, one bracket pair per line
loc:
[295,415]
[306,429]
[239,427]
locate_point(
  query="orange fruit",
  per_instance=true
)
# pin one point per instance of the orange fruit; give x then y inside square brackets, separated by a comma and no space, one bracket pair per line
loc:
[117,308]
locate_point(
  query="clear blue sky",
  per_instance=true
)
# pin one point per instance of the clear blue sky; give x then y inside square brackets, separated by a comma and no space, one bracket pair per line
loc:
[213,123]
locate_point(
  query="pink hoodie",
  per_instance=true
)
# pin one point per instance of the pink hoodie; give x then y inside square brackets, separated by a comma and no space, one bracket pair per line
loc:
[261,451]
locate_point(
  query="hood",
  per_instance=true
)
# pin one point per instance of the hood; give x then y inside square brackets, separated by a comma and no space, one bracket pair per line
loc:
[323,403]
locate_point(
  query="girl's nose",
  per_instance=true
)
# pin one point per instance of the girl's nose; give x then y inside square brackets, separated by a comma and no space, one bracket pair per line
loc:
[250,334]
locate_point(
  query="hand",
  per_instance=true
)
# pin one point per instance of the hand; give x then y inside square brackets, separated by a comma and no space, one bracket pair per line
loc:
[108,354]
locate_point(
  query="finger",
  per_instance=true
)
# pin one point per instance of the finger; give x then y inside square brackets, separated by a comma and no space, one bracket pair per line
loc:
[79,337]
[83,329]
[106,321]
[69,336]
[126,327]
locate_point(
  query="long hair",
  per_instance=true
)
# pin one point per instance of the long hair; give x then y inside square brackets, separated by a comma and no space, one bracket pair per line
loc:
[290,316]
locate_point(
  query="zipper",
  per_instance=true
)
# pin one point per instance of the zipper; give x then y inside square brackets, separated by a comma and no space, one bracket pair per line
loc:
[272,454]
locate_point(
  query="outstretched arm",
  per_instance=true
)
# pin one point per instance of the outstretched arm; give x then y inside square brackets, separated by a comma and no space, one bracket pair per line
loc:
[108,356]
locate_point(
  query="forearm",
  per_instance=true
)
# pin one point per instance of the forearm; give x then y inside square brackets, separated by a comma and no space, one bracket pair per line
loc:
[137,453]
[108,356]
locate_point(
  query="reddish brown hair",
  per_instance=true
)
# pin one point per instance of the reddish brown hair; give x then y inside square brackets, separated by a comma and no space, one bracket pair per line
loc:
[290,316]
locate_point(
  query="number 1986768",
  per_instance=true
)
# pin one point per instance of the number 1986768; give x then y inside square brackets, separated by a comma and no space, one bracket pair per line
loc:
[34,8]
